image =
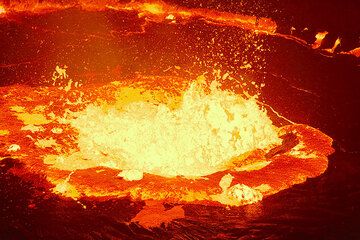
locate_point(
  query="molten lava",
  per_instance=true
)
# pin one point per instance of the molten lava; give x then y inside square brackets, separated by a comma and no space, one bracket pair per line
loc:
[2,10]
[151,11]
[197,138]
[154,138]
[159,11]
[151,139]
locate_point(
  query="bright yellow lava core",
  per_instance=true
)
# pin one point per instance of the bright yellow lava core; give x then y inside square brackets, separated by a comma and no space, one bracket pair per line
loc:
[199,136]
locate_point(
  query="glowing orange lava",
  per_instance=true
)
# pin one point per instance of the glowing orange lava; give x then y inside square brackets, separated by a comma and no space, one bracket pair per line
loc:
[159,11]
[2,10]
[151,138]
[155,11]
[319,38]
[186,141]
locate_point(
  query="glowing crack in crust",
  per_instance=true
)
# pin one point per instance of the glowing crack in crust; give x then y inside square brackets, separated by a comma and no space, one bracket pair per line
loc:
[188,141]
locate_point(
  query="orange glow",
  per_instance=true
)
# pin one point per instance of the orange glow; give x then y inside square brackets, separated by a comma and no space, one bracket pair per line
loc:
[148,138]
[319,38]
[90,141]
[336,44]
[355,52]
[153,8]
[2,10]
[154,214]
[157,11]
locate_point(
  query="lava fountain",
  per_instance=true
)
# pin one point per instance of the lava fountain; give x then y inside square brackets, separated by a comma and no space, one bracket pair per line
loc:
[188,142]
[195,139]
